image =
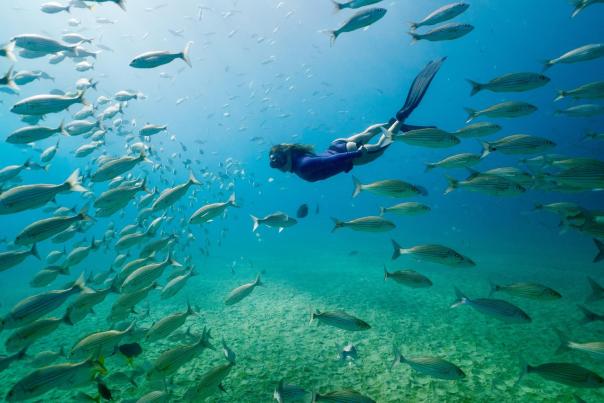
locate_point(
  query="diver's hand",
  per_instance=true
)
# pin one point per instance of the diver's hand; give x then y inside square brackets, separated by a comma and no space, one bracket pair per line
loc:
[362,150]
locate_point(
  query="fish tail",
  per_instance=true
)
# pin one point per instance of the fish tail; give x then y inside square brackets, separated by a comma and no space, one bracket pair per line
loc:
[413,26]
[588,316]
[333,35]
[524,369]
[337,6]
[9,48]
[460,298]
[600,255]
[472,114]
[429,167]
[414,37]
[561,95]
[386,274]
[83,214]
[232,201]
[336,224]
[493,288]
[398,358]
[9,79]
[73,182]
[538,206]
[358,186]
[61,129]
[313,315]
[382,211]
[486,149]
[476,87]
[80,283]
[314,397]
[597,292]
[81,98]
[563,342]
[185,53]
[256,223]
[67,320]
[258,280]
[453,184]
[547,64]
[396,252]
[121,4]
[34,251]
[193,180]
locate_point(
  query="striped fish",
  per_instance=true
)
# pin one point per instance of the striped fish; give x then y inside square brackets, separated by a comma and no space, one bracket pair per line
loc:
[12,258]
[388,187]
[86,301]
[524,179]
[463,160]
[594,348]
[341,396]
[171,195]
[27,197]
[410,278]
[514,82]
[146,275]
[406,208]
[157,245]
[430,137]
[30,134]
[340,319]
[434,367]
[125,303]
[47,275]
[442,14]
[165,326]
[100,344]
[7,360]
[156,396]
[518,144]
[211,381]
[581,54]
[285,393]
[489,184]
[445,32]
[116,167]
[171,360]
[527,290]
[565,373]
[479,129]
[433,253]
[581,177]
[593,90]
[590,316]
[49,227]
[33,308]
[28,334]
[581,111]
[510,109]
[242,291]
[365,224]
[495,308]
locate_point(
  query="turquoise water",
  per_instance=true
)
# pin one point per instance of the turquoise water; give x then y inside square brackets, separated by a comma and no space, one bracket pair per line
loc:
[261,69]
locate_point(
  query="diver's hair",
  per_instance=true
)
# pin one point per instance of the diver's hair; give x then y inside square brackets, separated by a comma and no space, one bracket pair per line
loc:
[303,148]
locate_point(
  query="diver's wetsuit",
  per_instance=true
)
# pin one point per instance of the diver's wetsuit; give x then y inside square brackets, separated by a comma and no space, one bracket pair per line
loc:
[314,167]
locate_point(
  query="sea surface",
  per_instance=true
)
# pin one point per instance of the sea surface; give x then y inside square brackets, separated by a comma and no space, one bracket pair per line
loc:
[263,73]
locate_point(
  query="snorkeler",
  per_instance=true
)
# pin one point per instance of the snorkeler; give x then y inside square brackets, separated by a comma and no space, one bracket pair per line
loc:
[344,153]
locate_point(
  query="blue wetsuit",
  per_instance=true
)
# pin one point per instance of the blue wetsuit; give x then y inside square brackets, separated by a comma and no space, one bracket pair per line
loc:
[315,167]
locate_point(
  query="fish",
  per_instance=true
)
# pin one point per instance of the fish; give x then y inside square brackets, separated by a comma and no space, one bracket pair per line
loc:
[169,324]
[42,44]
[428,137]
[600,255]
[581,54]
[302,211]
[285,392]
[353,4]
[518,144]
[242,291]
[176,284]
[594,90]
[116,167]
[36,306]
[25,336]
[120,3]
[12,171]
[210,211]
[496,308]
[463,160]
[589,316]
[46,103]
[597,291]
[171,195]
[211,381]
[494,185]
[31,134]
[479,129]
[510,109]
[341,396]
[149,130]
[45,358]
[361,19]
[446,32]
[99,344]
[146,275]
[565,373]
[9,80]
[156,396]
[54,7]
[120,196]
[406,208]
[365,224]
[594,348]
[513,82]
[60,376]
[74,37]
[388,187]
[340,320]
[154,59]
[49,227]
[434,367]
[442,14]
[7,360]
[130,351]
[85,302]
[527,290]
[409,278]
[10,259]
[581,111]
[275,220]
[433,253]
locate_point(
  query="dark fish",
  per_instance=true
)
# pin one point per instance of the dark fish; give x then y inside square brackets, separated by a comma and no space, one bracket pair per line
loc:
[566,373]
[302,211]
[104,391]
[130,351]
[589,316]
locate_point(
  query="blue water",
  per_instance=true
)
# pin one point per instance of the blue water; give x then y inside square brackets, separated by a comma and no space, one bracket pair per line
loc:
[265,70]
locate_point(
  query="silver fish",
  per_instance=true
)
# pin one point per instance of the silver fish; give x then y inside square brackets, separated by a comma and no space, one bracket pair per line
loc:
[514,82]
[581,54]
[497,308]
[409,278]
[510,109]
[365,224]
[154,59]
[442,14]
[340,320]
[433,253]
[47,103]
[242,291]
[361,19]
[446,32]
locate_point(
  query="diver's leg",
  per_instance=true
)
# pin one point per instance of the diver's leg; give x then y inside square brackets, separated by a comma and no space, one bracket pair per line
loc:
[365,136]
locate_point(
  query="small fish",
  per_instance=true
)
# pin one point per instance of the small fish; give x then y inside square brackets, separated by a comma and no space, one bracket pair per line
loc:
[593,90]
[340,319]
[303,209]
[406,208]
[211,381]
[285,393]
[341,396]
[130,350]
[149,130]
[565,373]
[154,59]
[514,82]
[12,258]
[45,358]
[510,109]
[518,144]
[168,325]
[30,134]
[433,253]
[388,187]
[171,195]
[497,308]
[100,343]
[429,137]
[581,111]
[479,129]
[581,54]
[434,367]
[409,278]
[210,211]
[494,185]
[361,19]
[7,360]
[49,227]
[442,14]
[463,160]
[594,348]
[275,220]
[353,4]
[527,290]
[447,32]
[365,224]
[47,103]
[242,291]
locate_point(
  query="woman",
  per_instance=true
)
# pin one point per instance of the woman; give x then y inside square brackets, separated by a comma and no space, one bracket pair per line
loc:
[343,154]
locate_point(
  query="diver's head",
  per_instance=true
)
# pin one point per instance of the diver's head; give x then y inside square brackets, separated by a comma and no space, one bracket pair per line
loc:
[280,157]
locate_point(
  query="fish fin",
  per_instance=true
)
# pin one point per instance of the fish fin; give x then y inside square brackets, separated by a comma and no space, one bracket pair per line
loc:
[34,252]
[524,369]
[193,179]
[493,288]
[563,342]
[333,35]
[256,223]
[476,87]
[597,292]
[415,37]
[336,224]
[121,4]
[232,201]
[185,54]
[561,96]
[281,229]
[600,255]
[258,281]
[221,387]
[413,26]
[588,316]
[453,184]
[396,252]
[460,298]
[386,274]
[74,182]
[9,48]
[486,149]
[472,114]
[358,186]
[83,214]
[9,80]
[80,283]
[382,211]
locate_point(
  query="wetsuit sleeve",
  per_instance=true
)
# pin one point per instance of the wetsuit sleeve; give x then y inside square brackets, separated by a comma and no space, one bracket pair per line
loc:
[319,167]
